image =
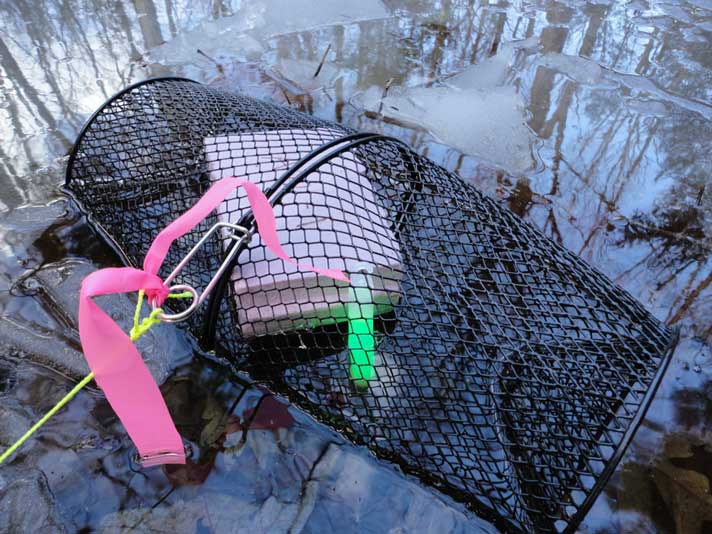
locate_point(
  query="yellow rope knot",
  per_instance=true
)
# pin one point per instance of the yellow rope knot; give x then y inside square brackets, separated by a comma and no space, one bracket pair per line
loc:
[140,327]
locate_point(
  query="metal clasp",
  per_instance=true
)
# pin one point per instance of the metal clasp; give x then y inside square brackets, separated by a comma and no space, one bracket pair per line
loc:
[239,234]
[160,458]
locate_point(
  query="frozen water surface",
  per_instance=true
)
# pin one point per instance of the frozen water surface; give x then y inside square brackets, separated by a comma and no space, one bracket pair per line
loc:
[474,111]
[253,23]
[589,119]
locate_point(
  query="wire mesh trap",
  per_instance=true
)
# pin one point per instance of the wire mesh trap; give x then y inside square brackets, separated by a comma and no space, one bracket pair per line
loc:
[468,348]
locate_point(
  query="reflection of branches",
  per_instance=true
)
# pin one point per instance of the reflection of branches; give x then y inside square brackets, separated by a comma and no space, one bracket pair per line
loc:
[689,299]
[642,261]
[636,161]
[476,44]
[615,125]
[683,243]
[126,25]
[678,228]
[623,47]
[601,117]
[674,274]
[67,13]
[11,195]
[107,39]
[42,49]
[13,71]
[551,221]
[600,222]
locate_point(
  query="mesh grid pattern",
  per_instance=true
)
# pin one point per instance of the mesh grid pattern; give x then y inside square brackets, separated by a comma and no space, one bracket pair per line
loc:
[491,362]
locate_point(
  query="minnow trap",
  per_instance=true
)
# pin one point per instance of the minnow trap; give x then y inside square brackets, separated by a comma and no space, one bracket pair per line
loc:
[468,348]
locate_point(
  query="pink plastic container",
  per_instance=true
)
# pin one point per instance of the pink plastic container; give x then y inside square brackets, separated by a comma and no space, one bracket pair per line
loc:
[314,222]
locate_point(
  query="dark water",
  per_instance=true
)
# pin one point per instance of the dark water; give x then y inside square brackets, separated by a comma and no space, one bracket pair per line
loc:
[589,119]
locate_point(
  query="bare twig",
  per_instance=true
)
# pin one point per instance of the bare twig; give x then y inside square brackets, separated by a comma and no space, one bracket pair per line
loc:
[384,94]
[286,96]
[323,59]
[218,65]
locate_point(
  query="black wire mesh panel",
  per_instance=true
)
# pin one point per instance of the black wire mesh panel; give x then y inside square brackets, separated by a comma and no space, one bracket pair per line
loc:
[469,348]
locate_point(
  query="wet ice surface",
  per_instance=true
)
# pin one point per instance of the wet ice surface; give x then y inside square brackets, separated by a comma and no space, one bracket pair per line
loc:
[474,111]
[247,30]
[591,121]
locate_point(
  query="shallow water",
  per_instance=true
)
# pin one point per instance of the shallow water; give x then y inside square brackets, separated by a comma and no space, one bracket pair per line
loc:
[605,110]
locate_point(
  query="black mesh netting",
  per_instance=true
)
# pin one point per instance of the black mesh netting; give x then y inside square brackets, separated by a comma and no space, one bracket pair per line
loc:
[469,348]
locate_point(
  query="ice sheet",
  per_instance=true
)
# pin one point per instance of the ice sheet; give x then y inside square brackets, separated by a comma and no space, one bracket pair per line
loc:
[489,124]
[309,14]
[474,112]
[245,33]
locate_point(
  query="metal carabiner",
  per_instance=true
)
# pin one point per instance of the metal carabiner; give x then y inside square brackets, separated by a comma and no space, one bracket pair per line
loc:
[198,298]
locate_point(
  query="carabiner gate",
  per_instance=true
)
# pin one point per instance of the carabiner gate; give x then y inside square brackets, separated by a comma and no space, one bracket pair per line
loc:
[239,234]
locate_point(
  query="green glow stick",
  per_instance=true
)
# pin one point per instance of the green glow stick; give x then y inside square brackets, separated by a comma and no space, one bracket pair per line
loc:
[361,341]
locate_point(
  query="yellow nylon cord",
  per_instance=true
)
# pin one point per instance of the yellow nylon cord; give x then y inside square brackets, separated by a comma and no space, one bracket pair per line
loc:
[5,455]
[139,328]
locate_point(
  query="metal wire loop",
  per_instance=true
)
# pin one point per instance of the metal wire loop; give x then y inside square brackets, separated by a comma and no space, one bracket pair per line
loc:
[238,234]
